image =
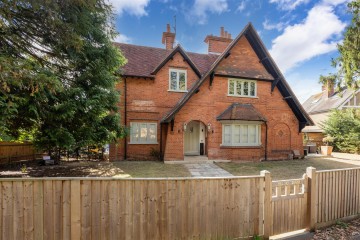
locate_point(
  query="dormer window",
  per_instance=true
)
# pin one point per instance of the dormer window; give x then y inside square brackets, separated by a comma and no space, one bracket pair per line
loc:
[242,88]
[177,80]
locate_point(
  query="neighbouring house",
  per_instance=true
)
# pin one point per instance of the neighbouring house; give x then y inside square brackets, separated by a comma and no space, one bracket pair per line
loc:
[232,103]
[320,105]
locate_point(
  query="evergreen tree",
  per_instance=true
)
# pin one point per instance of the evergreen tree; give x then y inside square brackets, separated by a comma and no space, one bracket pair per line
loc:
[349,60]
[58,72]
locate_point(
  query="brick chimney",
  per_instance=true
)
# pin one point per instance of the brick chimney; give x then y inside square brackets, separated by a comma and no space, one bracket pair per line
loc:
[216,44]
[328,88]
[168,38]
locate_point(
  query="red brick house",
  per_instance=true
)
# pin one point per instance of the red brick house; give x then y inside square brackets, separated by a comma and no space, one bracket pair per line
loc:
[232,103]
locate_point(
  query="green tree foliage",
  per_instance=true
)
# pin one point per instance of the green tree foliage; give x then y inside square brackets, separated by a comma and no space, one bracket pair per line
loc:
[58,71]
[349,60]
[344,126]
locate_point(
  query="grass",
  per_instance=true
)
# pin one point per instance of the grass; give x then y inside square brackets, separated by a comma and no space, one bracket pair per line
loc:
[282,169]
[121,169]
[149,169]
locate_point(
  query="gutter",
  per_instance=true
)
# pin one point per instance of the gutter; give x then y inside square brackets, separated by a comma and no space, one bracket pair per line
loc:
[266,140]
[125,116]
[161,152]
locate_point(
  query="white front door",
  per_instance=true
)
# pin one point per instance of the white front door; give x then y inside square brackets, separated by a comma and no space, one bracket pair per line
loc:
[192,139]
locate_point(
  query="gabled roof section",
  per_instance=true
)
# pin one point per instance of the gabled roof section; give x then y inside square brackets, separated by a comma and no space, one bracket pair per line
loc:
[238,111]
[320,102]
[250,33]
[142,60]
[177,49]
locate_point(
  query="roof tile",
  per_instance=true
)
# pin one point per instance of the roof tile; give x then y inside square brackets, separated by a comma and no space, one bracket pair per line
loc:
[143,60]
[239,111]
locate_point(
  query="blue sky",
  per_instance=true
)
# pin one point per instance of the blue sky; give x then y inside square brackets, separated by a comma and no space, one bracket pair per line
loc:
[301,35]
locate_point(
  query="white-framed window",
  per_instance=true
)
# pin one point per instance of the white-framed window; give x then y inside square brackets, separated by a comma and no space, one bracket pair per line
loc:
[177,80]
[241,134]
[242,88]
[143,133]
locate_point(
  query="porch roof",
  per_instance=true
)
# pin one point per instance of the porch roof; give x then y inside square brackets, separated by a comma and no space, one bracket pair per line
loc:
[239,111]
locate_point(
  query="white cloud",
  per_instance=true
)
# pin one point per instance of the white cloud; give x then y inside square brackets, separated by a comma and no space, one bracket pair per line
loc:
[317,34]
[242,6]
[271,26]
[132,7]
[289,4]
[335,2]
[303,87]
[121,38]
[201,8]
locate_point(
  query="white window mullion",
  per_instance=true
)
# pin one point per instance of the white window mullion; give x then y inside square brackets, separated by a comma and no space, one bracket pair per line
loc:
[175,82]
[239,84]
[241,134]
[143,133]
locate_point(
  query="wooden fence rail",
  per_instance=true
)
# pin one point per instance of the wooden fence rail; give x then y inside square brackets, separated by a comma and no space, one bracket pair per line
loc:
[106,208]
[180,208]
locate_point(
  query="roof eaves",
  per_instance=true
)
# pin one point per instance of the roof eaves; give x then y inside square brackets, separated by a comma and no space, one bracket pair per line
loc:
[275,70]
[347,98]
[186,97]
[177,49]
[138,76]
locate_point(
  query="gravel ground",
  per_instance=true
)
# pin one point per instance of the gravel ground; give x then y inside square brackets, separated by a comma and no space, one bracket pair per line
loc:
[340,231]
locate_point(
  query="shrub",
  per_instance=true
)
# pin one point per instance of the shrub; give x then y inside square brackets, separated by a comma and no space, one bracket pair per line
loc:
[344,127]
[328,140]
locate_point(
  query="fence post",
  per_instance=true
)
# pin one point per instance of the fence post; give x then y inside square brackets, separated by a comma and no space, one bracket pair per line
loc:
[267,203]
[312,208]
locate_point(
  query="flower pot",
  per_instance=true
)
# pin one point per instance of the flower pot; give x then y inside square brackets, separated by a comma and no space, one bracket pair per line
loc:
[326,150]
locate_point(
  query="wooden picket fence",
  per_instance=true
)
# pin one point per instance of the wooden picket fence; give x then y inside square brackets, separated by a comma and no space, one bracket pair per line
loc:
[12,152]
[337,195]
[175,208]
[106,208]
[289,205]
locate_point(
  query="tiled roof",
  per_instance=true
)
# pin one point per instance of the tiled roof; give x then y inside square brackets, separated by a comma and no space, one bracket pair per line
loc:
[250,33]
[238,111]
[321,103]
[143,60]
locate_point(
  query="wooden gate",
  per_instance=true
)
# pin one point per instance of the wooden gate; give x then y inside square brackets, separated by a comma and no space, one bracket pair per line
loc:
[289,205]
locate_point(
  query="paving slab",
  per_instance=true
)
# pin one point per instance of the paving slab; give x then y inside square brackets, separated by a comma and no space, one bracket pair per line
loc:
[206,170]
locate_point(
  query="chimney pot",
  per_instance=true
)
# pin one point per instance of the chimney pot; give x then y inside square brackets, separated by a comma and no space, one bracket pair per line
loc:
[217,44]
[168,38]
[328,88]
[222,32]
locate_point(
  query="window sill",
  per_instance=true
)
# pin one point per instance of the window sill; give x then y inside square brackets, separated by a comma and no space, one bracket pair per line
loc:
[241,147]
[178,91]
[242,96]
[146,143]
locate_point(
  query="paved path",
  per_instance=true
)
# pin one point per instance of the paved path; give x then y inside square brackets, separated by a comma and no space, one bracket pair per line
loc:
[339,157]
[206,170]
[346,156]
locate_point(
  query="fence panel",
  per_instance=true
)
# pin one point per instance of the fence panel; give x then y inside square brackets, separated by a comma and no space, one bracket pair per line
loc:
[289,205]
[11,152]
[338,195]
[107,208]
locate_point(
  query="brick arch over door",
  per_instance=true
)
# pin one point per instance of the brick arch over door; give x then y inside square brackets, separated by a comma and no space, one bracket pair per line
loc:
[281,137]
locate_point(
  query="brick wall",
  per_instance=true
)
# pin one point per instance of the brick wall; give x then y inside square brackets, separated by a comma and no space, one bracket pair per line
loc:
[211,101]
[148,100]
